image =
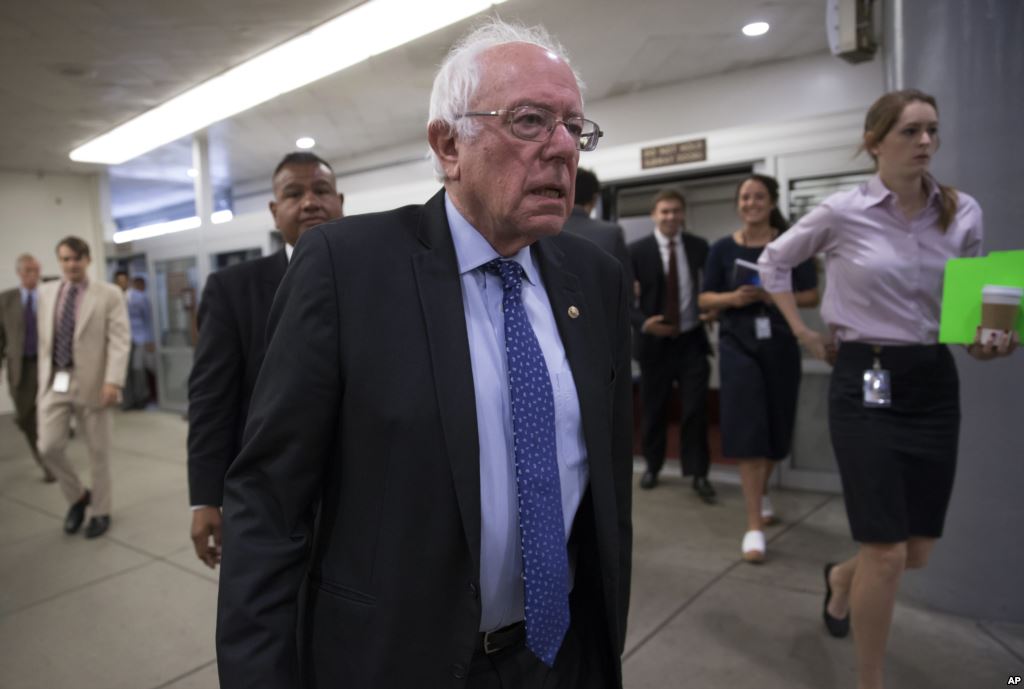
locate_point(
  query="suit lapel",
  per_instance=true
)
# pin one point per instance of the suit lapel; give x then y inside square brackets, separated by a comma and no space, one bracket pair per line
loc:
[440,292]
[591,373]
[90,300]
[14,320]
[275,270]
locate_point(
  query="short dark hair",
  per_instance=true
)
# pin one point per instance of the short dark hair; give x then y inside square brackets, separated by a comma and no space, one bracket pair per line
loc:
[77,245]
[300,158]
[587,186]
[119,273]
[668,195]
[139,280]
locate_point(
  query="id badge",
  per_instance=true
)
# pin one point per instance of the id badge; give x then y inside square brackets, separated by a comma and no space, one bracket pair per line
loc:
[763,327]
[877,389]
[61,381]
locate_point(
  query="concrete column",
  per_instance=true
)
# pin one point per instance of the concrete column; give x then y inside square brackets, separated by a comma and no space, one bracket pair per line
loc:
[969,55]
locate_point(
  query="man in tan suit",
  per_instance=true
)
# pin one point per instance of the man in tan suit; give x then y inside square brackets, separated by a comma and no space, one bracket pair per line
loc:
[19,346]
[84,342]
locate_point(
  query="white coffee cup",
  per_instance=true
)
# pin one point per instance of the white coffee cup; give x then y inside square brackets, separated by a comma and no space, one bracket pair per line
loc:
[1000,305]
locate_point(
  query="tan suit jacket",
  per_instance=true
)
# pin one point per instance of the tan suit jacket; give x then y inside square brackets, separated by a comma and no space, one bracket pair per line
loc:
[102,339]
[12,334]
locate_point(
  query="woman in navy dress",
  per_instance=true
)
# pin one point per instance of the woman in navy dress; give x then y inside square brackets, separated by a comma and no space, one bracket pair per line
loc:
[759,359]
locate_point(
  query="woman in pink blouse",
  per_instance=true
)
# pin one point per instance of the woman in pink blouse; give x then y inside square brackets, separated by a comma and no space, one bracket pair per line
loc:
[894,407]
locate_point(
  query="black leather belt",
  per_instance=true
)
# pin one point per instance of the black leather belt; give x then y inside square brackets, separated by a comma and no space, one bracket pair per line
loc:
[500,639]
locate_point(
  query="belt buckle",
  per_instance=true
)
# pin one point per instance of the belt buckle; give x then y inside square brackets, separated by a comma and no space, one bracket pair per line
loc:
[488,648]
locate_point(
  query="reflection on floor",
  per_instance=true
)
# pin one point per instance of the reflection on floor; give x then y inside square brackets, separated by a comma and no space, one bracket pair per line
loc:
[135,609]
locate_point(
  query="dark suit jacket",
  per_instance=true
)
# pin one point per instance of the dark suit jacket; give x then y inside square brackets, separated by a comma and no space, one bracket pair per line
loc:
[233,316]
[606,235]
[12,334]
[649,271]
[365,404]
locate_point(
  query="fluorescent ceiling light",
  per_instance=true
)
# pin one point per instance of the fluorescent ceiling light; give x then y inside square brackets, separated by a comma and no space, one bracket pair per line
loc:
[219,217]
[369,29]
[192,172]
[756,29]
[147,231]
[305,142]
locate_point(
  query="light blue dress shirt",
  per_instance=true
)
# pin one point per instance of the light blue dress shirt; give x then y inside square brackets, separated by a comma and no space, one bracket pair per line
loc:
[501,561]
[24,297]
[140,317]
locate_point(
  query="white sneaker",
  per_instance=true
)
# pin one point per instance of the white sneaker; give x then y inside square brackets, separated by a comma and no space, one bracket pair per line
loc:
[768,517]
[753,547]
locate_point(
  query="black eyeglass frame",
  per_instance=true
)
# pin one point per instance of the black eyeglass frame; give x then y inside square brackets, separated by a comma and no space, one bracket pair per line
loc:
[552,121]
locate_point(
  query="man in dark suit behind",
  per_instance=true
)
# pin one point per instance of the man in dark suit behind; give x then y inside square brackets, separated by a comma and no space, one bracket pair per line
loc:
[606,235]
[19,348]
[671,344]
[449,384]
[232,340]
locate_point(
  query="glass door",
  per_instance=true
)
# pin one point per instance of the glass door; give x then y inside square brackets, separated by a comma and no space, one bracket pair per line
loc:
[176,285]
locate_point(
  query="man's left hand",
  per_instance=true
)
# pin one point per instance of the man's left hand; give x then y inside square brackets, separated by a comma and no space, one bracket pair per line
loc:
[111,395]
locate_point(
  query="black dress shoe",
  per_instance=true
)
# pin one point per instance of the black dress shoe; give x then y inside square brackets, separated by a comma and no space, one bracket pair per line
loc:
[648,480]
[837,627]
[97,526]
[704,489]
[76,514]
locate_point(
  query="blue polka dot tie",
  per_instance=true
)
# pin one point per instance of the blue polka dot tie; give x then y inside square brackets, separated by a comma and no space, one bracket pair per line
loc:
[541,526]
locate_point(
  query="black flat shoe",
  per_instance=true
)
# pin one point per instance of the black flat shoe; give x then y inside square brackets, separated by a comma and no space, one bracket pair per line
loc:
[76,514]
[97,526]
[648,480]
[837,627]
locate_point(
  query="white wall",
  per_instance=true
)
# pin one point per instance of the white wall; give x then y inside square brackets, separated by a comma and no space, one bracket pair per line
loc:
[36,211]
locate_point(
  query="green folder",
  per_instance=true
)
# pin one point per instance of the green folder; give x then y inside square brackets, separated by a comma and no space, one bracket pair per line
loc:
[961,292]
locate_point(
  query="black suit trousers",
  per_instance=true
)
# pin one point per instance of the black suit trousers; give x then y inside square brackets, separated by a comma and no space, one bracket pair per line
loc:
[679,361]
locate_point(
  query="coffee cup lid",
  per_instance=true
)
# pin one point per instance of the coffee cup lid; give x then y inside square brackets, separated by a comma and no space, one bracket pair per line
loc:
[1002,291]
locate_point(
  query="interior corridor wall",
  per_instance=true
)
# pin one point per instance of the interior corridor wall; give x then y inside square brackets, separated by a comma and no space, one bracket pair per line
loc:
[36,211]
[970,57]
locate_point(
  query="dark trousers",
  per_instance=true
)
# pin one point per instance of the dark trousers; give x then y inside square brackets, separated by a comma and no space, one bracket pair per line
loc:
[683,361]
[24,397]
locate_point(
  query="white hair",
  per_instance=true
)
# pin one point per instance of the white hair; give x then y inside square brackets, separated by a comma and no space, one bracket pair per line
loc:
[458,78]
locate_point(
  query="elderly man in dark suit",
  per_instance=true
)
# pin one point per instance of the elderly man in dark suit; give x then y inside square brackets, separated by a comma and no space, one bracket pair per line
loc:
[606,235]
[440,435]
[671,344]
[19,349]
[232,340]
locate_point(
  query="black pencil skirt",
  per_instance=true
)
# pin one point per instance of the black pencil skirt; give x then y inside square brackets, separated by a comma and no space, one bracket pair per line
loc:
[897,463]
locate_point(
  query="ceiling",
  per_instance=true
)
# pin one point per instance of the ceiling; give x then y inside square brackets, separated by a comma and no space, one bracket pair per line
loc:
[73,69]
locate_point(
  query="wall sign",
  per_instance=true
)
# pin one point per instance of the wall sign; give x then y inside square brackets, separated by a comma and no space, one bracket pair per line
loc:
[674,154]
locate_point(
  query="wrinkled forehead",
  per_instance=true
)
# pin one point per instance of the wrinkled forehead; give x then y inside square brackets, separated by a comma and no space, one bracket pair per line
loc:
[519,73]
[302,172]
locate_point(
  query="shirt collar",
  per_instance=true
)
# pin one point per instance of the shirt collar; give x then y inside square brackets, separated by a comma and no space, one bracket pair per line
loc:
[288,251]
[876,193]
[663,240]
[472,251]
[25,291]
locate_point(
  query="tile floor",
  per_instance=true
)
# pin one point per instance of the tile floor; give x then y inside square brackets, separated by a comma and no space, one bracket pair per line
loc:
[135,609]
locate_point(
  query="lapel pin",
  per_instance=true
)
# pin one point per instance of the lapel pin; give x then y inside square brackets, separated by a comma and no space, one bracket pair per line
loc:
[574,312]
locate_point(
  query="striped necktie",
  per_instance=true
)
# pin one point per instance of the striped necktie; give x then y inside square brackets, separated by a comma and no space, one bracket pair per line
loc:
[541,524]
[62,346]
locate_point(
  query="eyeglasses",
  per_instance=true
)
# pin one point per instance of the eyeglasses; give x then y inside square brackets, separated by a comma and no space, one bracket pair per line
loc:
[530,123]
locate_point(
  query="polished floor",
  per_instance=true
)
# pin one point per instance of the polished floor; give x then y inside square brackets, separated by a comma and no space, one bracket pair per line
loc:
[135,609]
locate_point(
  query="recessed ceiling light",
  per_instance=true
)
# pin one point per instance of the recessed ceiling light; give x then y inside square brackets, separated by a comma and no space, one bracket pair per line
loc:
[305,142]
[369,29]
[756,29]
